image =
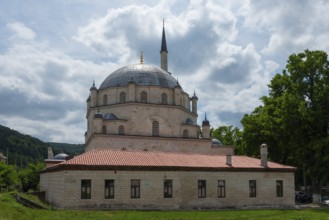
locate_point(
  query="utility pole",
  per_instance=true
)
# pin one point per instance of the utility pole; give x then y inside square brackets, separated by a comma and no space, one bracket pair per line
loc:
[7,156]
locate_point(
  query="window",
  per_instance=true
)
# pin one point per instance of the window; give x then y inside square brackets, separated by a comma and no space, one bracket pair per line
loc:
[155,128]
[122,97]
[201,188]
[135,189]
[279,188]
[185,133]
[167,188]
[105,100]
[221,189]
[85,189]
[164,99]
[109,189]
[144,97]
[104,129]
[121,130]
[252,188]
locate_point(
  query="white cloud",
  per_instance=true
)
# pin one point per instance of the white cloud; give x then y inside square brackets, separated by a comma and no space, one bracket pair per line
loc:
[21,31]
[45,90]
[227,51]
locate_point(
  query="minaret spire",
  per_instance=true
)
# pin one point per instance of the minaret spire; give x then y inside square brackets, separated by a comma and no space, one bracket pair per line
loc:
[164,51]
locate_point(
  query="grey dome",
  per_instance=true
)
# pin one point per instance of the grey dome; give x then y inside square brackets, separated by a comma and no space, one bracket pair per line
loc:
[61,156]
[216,143]
[141,74]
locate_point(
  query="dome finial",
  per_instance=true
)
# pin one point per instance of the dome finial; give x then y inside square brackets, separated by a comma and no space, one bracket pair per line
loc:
[141,57]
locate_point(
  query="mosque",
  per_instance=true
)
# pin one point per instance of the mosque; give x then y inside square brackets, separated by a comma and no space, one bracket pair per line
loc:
[145,150]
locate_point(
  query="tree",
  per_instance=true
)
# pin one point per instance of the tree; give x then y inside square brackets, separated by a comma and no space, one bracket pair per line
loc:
[30,176]
[294,117]
[229,135]
[8,177]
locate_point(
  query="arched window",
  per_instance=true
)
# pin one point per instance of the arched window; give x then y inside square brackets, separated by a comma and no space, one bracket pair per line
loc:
[105,100]
[104,129]
[185,133]
[144,96]
[122,97]
[164,99]
[121,130]
[155,128]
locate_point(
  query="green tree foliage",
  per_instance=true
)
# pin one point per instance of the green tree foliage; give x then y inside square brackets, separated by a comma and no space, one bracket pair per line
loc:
[30,177]
[294,117]
[229,135]
[8,177]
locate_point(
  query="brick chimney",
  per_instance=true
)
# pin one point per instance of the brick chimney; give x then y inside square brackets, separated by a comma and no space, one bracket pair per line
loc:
[263,155]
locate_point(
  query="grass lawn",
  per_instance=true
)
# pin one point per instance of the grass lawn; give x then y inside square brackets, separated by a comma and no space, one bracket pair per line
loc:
[10,209]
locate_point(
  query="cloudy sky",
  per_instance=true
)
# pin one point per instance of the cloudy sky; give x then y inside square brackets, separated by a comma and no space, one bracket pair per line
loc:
[226,51]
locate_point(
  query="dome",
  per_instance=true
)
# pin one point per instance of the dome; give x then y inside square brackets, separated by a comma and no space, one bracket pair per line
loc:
[216,143]
[141,74]
[61,156]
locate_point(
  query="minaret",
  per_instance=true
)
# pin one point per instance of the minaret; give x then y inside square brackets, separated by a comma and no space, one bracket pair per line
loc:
[93,95]
[164,51]
[194,103]
[206,128]
[50,153]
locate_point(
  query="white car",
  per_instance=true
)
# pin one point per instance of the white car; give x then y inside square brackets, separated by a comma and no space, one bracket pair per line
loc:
[325,202]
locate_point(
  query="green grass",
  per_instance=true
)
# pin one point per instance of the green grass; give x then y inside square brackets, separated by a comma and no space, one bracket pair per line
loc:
[11,210]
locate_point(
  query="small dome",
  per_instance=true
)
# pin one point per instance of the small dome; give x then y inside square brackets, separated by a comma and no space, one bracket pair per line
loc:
[189,121]
[216,143]
[141,74]
[110,116]
[61,156]
[98,115]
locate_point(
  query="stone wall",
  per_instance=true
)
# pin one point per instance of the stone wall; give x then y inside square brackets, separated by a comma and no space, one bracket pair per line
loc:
[137,119]
[63,189]
[53,184]
[183,145]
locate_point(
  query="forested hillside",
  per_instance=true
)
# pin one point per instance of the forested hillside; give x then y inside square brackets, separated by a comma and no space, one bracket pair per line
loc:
[23,149]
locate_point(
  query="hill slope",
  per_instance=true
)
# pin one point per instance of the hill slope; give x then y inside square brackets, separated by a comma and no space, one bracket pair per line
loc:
[23,149]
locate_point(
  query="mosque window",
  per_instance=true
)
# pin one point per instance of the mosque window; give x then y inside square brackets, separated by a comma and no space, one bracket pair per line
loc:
[109,189]
[104,99]
[135,188]
[104,129]
[85,189]
[122,97]
[144,96]
[185,133]
[155,128]
[164,99]
[252,188]
[167,188]
[279,188]
[201,188]
[121,130]
[221,189]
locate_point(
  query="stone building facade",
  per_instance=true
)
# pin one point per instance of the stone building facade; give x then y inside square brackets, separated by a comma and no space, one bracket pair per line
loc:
[145,150]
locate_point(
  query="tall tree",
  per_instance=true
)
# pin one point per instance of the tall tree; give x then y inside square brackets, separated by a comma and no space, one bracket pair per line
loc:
[294,117]
[30,177]
[8,177]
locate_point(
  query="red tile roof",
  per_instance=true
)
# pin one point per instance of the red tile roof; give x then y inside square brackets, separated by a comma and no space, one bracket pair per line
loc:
[164,160]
